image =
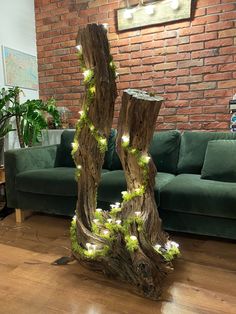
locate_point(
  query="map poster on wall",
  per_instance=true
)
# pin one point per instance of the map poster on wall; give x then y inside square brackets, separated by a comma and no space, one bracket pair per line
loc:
[20,69]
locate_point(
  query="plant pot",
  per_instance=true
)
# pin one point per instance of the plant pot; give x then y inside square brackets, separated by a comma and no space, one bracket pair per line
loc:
[1,150]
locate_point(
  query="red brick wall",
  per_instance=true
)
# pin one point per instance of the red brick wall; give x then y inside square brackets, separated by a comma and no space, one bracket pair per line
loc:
[191,63]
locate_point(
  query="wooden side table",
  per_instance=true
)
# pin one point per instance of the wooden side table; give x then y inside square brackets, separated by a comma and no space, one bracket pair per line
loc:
[2,188]
[4,210]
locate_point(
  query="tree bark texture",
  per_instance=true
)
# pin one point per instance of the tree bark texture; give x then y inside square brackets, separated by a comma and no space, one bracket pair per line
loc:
[99,110]
[121,242]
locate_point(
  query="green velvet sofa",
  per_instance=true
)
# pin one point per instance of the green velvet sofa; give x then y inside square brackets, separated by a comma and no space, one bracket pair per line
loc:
[194,192]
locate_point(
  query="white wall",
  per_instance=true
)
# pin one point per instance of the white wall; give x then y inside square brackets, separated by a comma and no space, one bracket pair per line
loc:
[17,31]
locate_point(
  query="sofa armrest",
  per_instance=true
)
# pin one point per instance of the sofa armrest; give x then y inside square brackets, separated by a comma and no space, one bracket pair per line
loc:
[24,159]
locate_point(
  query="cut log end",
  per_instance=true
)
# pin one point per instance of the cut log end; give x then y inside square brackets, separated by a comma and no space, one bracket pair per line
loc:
[143,95]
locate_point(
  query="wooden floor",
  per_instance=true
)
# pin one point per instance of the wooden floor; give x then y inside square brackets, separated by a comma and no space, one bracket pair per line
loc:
[204,280]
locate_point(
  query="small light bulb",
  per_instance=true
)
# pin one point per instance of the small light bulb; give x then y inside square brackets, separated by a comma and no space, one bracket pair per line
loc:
[157,246]
[94,246]
[174,5]
[118,222]
[125,138]
[74,218]
[79,167]
[79,47]
[86,73]
[133,238]
[103,141]
[147,159]
[88,245]
[105,25]
[150,9]
[128,14]
[174,244]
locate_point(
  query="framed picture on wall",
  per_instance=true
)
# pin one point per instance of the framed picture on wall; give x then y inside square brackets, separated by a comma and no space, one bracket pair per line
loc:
[20,69]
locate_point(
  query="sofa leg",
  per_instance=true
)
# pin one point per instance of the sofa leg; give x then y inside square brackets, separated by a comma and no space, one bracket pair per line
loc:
[20,217]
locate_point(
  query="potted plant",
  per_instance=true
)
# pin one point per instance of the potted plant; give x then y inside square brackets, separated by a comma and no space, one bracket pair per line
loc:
[29,116]
[7,98]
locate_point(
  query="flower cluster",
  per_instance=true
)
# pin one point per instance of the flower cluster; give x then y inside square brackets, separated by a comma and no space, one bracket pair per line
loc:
[169,251]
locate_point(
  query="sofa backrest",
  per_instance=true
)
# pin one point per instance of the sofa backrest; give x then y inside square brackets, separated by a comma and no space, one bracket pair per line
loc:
[164,149]
[64,151]
[193,148]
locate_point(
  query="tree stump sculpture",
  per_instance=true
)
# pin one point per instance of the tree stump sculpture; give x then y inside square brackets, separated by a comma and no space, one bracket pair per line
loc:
[126,242]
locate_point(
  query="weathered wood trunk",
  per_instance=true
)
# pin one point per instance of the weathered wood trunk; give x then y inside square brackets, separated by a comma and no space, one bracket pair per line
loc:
[126,242]
[94,127]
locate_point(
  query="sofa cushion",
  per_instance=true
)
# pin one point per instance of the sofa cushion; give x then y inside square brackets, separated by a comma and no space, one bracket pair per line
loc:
[52,181]
[113,183]
[65,148]
[190,194]
[219,163]
[193,148]
[164,149]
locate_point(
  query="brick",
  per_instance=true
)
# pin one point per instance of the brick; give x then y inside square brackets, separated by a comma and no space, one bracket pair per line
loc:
[228,16]
[177,72]
[141,54]
[206,3]
[227,84]
[205,20]
[203,37]
[191,30]
[219,26]
[189,110]
[227,50]
[153,60]
[152,44]
[191,95]
[205,53]
[165,66]
[140,84]
[142,69]
[214,109]
[219,60]
[216,126]
[204,86]
[217,93]
[178,56]
[176,118]
[130,62]
[219,43]
[141,39]
[202,117]
[129,48]
[189,79]
[221,8]
[191,47]
[164,81]
[227,33]
[190,63]
[218,76]
[130,77]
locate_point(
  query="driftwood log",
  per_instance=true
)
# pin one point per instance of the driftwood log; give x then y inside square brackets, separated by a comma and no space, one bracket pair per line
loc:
[126,242]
